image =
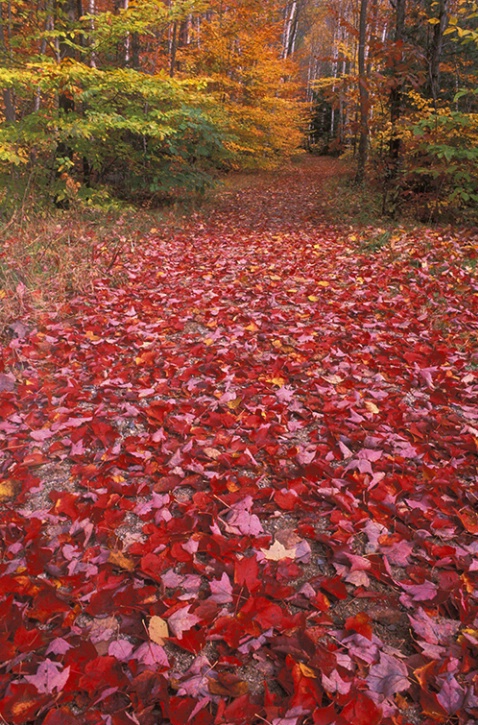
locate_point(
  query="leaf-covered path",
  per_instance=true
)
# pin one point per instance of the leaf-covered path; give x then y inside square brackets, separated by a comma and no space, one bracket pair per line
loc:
[239,479]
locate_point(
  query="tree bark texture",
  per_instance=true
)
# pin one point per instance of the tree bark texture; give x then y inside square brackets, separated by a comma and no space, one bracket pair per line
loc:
[364,96]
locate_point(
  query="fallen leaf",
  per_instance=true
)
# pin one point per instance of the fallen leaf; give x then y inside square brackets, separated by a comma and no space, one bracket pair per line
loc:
[277,552]
[8,490]
[158,630]
[49,676]
[182,621]
[388,676]
[117,558]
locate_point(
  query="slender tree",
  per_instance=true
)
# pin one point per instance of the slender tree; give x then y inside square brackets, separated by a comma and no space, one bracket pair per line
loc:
[436,48]
[397,86]
[364,96]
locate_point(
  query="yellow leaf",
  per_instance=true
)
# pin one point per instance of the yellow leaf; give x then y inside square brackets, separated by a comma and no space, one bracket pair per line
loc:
[252,327]
[158,630]
[208,341]
[323,283]
[313,298]
[277,343]
[91,336]
[7,490]
[371,407]
[306,671]
[276,381]
[233,404]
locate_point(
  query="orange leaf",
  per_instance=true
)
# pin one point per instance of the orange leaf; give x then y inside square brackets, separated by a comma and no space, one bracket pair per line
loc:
[469,519]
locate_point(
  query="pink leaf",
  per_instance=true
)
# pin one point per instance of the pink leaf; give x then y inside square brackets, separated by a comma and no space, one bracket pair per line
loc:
[58,646]
[41,435]
[284,394]
[451,695]
[434,631]
[181,621]
[421,592]
[49,676]
[368,454]
[306,455]
[346,452]
[335,683]
[150,654]
[7,382]
[221,590]
[121,649]
[399,553]
[388,677]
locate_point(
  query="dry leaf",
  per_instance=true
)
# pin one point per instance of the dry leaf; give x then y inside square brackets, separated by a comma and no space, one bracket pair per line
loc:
[212,453]
[117,558]
[7,490]
[158,630]
[306,671]
[277,381]
[233,404]
[277,552]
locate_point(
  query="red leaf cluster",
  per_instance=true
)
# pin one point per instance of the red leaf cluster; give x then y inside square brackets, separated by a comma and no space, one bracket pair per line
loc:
[264,437]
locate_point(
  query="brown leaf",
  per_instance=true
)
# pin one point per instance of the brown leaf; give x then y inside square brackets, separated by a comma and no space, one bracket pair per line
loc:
[8,490]
[117,558]
[227,685]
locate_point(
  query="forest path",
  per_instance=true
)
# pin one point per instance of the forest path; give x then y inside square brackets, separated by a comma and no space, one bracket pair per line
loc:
[294,197]
[239,478]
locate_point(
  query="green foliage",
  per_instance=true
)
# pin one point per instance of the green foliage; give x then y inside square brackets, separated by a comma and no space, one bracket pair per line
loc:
[129,131]
[442,166]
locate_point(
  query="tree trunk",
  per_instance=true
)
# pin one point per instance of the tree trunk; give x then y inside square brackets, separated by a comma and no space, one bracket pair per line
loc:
[66,104]
[290,28]
[396,92]
[7,93]
[364,96]
[436,50]
[173,49]
[92,13]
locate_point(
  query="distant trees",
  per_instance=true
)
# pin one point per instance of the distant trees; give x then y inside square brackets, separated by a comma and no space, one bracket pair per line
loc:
[399,78]
[108,98]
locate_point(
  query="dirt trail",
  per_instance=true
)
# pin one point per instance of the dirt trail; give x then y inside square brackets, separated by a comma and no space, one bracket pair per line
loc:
[281,200]
[239,478]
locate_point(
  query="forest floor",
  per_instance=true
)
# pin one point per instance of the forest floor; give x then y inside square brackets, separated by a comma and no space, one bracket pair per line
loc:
[239,475]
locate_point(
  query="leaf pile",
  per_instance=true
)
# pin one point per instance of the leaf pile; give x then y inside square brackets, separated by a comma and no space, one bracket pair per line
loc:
[239,486]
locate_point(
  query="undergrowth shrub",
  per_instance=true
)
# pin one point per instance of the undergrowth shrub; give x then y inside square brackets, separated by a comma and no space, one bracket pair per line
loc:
[437,177]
